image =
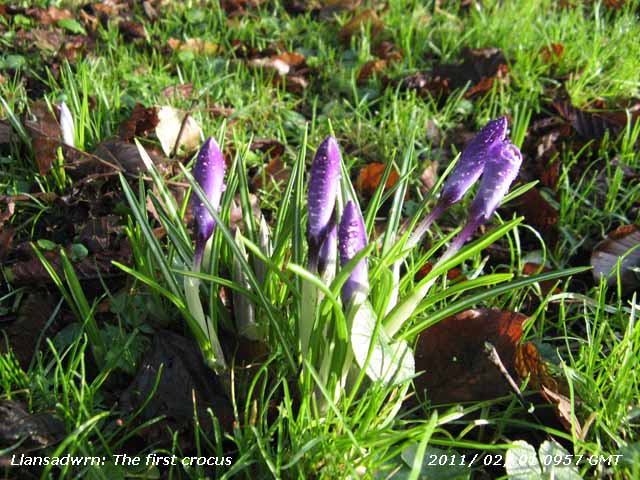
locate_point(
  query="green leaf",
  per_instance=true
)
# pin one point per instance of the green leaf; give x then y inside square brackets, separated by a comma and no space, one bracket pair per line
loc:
[78,252]
[384,360]
[47,245]
[550,453]
[72,26]
[521,462]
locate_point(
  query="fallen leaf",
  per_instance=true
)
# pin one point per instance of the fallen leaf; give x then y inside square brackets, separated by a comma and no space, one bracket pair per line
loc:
[182,91]
[127,157]
[49,16]
[171,377]
[371,68]
[452,355]
[480,67]
[177,129]
[31,431]
[370,177]
[594,123]
[45,134]
[562,405]
[425,84]
[453,274]
[531,268]
[529,365]
[552,53]
[195,45]
[388,51]
[274,173]
[24,331]
[538,213]
[140,123]
[132,30]
[614,4]
[621,245]
[429,176]
[366,18]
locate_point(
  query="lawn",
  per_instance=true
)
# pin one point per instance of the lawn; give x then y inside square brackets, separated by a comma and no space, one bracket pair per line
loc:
[319,239]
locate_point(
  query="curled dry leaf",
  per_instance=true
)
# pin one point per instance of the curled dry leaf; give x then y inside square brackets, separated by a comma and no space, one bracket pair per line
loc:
[127,157]
[140,123]
[594,123]
[623,244]
[530,365]
[452,356]
[370,177]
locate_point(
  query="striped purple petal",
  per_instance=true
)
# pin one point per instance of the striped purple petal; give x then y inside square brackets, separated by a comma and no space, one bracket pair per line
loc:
[352,238]
[209,173]
[472,161]
[323,187]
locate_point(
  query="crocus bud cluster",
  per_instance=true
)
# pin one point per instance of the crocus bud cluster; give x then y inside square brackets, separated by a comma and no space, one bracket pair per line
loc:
[489,154]
[322,231]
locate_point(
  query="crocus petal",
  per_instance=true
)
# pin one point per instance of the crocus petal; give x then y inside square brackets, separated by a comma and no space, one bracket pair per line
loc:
[499,173]
[66,125]
[328,252]
[472,161]
[209,173]
[323,188]
[351,239]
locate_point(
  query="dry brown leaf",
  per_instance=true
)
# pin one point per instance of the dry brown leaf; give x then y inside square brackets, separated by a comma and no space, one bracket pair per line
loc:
[453,359]
[274,173]
[142,121]
[370,176]
[552,53]
[182,91]
[45,135]
[623,244]
[371,68]
[48,16]
[132,30]
[364,18]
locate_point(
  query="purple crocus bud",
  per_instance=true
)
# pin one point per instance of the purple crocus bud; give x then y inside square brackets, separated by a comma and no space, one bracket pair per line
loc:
[500,171]
[209,173]
[352,238]
[472,161]
[468,169]
[66,125]
[323,188]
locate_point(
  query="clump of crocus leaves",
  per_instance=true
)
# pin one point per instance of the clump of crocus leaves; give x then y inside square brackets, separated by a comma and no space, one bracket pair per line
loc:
[331,340]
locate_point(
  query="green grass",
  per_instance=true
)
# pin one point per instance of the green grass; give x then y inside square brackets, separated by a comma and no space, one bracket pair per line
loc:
[284,425]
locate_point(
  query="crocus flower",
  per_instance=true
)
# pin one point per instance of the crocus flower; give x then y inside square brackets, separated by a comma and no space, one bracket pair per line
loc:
[323,188]
[66,125]
[352,238]
[468,169]
[209,173]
